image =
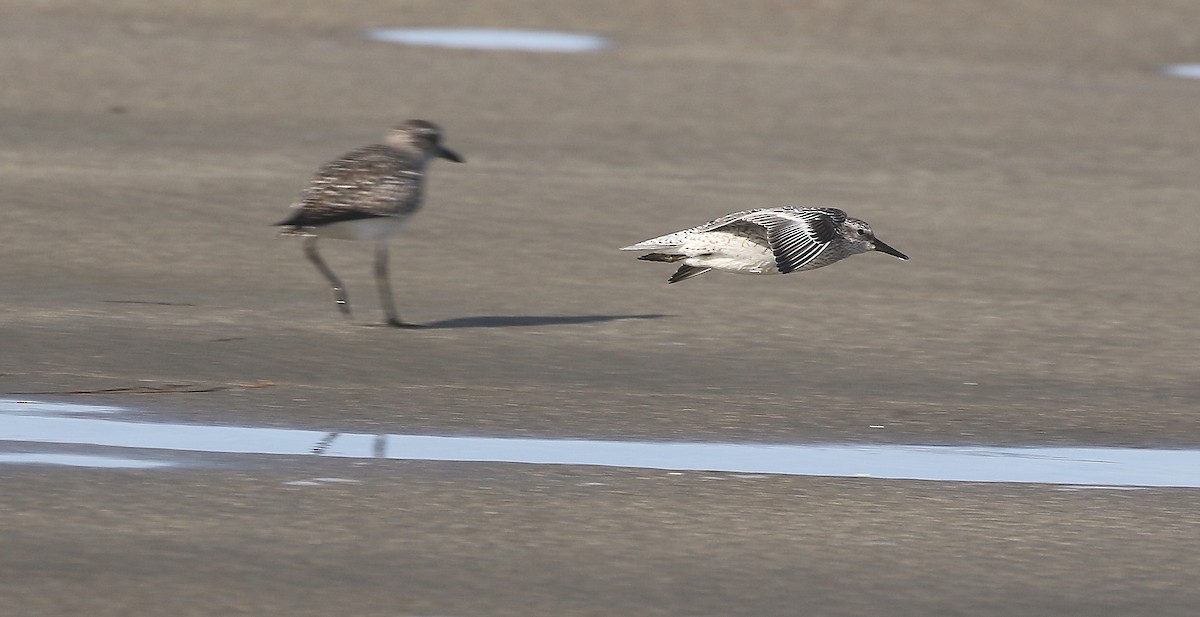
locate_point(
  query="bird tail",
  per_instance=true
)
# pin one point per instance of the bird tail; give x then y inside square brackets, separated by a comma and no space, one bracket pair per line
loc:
[292,225]
[292,230]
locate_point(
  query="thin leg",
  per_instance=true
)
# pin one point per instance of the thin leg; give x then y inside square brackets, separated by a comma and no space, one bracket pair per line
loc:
[339,290]
[385,286]
[323,445]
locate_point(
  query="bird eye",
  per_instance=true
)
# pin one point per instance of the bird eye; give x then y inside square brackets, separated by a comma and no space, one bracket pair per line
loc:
[862,232]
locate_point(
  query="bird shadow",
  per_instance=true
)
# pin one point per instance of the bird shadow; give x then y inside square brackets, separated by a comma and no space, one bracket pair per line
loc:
[518,321]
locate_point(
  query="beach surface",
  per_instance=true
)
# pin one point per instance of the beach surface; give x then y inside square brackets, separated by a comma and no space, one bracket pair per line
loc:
[1032,160]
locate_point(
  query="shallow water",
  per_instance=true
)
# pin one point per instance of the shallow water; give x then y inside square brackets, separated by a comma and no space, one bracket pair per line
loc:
[483,38]
[1101,467]
[79,460]
[1190,71]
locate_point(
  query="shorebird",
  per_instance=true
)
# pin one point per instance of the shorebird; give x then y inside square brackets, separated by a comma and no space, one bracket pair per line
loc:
[367,194]
[765,241]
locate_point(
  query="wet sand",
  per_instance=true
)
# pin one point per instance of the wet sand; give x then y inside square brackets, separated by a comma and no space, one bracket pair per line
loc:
[1032,162]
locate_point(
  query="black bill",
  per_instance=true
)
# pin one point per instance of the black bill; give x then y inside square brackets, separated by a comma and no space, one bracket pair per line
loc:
[884,248]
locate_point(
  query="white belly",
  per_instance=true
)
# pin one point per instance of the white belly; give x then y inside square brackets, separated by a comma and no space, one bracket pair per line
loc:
[729,252]
[377,228]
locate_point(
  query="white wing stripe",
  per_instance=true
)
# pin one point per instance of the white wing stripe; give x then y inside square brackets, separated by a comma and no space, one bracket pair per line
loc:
[795,234]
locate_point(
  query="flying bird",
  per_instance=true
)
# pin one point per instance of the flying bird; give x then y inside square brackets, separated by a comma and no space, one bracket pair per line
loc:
[764,241]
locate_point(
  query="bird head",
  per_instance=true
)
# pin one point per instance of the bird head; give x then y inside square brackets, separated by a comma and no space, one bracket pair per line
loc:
[422,136]
[859,234]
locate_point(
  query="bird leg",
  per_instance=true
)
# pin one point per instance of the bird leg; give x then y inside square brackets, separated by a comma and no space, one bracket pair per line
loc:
[667,257]
[385,287]
[339,290]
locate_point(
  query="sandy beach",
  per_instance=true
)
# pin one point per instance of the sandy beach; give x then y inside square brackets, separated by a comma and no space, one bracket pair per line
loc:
[1032,160]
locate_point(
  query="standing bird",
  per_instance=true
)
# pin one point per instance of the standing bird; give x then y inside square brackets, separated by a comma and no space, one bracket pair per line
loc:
[765,241]
[367,195]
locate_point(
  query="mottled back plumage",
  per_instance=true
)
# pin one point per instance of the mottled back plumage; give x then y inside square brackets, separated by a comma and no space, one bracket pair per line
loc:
[368,182]
[765,241]
[373,181]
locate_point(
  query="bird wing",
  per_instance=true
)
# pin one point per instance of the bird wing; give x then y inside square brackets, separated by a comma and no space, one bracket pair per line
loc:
[674,239]
[796,235]
[369,182]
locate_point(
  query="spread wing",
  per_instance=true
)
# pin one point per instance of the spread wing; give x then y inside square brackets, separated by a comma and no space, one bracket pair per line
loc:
[796,235]
[368,182]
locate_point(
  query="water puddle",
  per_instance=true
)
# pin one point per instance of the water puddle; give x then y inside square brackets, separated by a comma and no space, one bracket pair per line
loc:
[1093,467]
[482,38]
[1190,71]
[78,460]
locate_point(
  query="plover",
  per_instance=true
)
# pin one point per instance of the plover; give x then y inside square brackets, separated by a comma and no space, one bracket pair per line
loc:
[765,241]
[367,194]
